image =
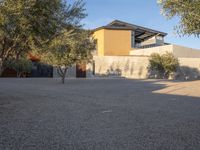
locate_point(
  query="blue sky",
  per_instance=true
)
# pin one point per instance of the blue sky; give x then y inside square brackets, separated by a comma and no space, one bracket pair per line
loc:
[141,12]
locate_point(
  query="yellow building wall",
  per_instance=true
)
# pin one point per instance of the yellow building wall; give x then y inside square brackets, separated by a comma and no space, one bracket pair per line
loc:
[99,36]
[117,42]
[113,42]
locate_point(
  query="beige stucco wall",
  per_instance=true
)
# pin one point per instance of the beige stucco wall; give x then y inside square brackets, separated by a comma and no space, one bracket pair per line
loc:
[190,67]
[149,51]
[137,67]
[178,51]
[183,52]
[133,67]
[149,41]
[124,66]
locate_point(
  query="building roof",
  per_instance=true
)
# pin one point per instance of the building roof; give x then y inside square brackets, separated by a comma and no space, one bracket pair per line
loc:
[141,33]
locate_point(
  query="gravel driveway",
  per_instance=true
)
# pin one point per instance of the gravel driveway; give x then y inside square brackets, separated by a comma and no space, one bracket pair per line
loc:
[99,114]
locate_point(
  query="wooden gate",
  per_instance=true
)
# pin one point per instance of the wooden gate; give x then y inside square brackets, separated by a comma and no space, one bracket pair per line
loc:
[81,70]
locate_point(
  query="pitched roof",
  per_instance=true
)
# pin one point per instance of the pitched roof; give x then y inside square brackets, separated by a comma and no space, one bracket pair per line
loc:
[141,33]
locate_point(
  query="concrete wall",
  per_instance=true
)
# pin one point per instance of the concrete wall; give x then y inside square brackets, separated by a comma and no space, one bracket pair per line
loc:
[124,66]
[178,51]
[133,67]
[183,52]
[190,68]
[137,67]
[71,73]
[149,51]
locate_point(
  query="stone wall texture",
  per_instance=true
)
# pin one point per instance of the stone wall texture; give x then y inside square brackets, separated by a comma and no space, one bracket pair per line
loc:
[137,67]
[124,66]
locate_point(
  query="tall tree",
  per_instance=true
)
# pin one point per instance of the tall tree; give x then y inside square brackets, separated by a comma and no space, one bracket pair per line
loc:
[187,10]
[28,25]
[69,48]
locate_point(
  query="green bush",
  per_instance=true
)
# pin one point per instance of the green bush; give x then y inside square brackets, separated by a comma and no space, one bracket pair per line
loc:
[163,65]
[22,66]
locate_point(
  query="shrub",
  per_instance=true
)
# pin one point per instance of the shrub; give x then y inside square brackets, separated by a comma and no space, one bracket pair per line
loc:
[22,66]
[163,65]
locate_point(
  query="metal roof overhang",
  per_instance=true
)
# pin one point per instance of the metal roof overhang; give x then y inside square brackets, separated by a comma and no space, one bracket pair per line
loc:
[141,33]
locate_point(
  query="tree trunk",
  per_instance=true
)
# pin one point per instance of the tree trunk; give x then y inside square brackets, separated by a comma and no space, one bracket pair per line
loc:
[18,74]
[1,71]
[1,68]
[62,73]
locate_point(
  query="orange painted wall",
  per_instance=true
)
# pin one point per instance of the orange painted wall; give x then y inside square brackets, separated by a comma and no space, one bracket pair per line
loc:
[117,42]
[113,42]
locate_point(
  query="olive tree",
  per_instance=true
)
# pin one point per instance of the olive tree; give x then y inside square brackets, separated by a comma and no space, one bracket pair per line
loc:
[68,49]
[164,64]
[187,10]
[29,25]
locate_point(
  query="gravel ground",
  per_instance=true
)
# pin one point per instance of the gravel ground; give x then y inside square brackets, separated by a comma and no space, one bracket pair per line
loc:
[99,114]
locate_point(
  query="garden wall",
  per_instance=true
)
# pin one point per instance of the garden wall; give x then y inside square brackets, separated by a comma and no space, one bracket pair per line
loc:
[137,67]
[124,66]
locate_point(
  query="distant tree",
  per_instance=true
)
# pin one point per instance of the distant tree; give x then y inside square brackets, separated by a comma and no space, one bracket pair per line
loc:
[187,10]
[69,48]
[29,25]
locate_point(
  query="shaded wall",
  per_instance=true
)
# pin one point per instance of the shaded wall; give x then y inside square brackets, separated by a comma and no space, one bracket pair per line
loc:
[125,66]
[137,67]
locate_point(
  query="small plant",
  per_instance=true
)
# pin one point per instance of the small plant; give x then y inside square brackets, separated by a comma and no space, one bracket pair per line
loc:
[163,65]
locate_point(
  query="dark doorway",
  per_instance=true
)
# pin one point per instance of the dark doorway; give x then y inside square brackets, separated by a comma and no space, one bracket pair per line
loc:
[81,70]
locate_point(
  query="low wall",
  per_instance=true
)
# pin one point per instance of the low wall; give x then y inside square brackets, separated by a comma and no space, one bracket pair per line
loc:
[189,68]
[124,66]
[71,72]
[137,67]
[178,51]
[149,51]
[185,52]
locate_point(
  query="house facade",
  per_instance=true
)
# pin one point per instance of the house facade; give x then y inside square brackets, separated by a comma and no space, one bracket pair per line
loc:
[123,49]
[119,38]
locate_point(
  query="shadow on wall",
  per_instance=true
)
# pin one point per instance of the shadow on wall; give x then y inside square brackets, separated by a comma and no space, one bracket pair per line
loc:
[124,69]
[188,73]
[114,72]
[182,73]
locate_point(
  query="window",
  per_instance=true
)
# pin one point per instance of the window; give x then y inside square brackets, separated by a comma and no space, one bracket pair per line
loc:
[159,38]
[132,39]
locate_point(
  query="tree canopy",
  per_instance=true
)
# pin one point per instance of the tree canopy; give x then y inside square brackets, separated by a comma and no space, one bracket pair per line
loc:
[69,48]
[187,10]
[43,27]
